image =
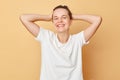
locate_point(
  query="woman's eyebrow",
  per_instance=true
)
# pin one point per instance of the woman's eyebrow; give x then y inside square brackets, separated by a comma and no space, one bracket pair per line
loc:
[54,16]
[64,15]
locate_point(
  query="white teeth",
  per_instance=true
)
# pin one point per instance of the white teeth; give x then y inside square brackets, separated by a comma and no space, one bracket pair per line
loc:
[61,25]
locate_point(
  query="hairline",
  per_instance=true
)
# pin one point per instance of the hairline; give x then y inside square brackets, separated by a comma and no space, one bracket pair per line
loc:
[60,8]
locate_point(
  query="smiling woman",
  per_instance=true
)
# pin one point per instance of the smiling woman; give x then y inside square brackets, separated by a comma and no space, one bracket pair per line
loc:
[62,18]
[61,51]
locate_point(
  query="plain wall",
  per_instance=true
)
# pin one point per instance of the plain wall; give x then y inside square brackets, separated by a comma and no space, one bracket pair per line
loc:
[20,52]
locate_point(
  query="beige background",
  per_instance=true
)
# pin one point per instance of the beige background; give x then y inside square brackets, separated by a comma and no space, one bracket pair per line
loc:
[20,52]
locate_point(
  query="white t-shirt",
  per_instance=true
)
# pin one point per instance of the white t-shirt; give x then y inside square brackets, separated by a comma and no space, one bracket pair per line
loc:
[61,61]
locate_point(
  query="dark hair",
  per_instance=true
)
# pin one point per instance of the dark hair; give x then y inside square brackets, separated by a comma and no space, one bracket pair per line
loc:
[66,8]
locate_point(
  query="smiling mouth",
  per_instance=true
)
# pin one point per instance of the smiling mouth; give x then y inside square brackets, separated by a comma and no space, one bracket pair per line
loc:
[60,25]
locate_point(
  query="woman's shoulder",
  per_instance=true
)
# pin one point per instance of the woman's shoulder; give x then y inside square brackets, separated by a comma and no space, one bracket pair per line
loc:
[76,35]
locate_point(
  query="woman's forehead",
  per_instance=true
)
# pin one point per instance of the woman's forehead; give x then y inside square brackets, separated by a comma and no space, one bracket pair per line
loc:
[60,11]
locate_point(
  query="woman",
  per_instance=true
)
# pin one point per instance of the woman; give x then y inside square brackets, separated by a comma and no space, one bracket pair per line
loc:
[61,51]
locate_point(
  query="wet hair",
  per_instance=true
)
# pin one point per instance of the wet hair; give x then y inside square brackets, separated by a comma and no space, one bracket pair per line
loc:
[66,8]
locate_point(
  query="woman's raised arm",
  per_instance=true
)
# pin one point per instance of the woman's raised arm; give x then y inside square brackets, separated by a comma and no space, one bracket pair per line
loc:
[28,20]
[93,20]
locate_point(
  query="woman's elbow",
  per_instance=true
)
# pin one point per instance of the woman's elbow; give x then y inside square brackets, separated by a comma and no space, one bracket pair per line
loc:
[22,17]
[99,19]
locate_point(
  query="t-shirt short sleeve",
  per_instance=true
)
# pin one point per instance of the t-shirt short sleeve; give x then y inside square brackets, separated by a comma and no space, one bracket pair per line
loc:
[43,34]
[81,38]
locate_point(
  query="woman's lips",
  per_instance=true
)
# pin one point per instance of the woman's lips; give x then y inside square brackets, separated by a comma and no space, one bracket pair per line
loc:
[60,25]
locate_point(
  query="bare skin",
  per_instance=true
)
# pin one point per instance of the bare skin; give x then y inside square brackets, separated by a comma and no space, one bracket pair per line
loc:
[61,22]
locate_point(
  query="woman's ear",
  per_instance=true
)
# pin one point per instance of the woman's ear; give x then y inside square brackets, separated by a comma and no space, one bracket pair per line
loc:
[71,21]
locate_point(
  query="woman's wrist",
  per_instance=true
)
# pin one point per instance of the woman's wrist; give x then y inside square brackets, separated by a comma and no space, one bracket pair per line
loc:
[86,17]
[44,18]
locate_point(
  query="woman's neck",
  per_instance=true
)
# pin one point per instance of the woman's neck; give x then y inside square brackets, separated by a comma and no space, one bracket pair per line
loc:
[63,37]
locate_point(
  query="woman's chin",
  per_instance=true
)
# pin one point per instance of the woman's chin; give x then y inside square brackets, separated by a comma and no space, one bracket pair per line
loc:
[61,31]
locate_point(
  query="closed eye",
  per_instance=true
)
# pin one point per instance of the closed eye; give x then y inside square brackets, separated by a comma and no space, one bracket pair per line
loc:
[64,17]
[55,18]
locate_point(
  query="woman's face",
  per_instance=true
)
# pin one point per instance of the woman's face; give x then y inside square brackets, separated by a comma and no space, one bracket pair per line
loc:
[61,20]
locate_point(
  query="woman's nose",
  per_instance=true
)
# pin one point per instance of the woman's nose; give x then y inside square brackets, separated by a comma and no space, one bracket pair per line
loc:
[60,20]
